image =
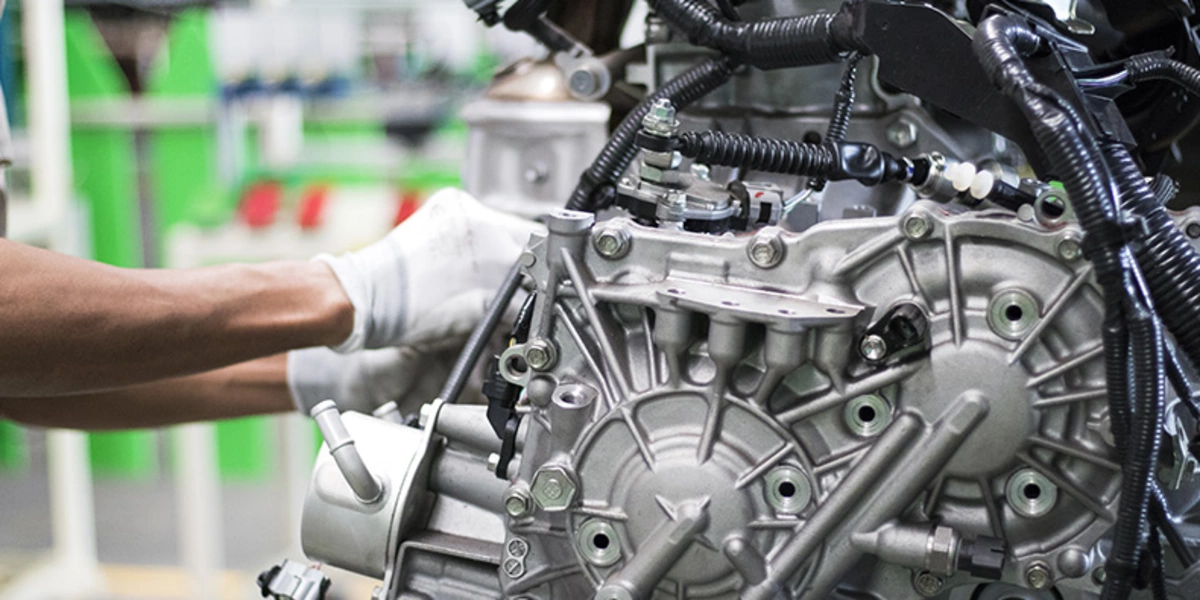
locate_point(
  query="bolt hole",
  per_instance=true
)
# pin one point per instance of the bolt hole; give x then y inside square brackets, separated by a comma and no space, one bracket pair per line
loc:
[571,397]
[1032,491]
[601,541]
[834,311]
[787,489]
[866,414]
[812,137]
[516,365]
[1053,207]
[1014,313]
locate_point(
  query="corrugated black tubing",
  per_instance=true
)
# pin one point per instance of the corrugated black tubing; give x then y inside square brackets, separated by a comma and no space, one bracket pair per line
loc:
[1170,264]
[595,189]
[1149,67]
[767,44]
[758,154]
[1001,43]
[843,105]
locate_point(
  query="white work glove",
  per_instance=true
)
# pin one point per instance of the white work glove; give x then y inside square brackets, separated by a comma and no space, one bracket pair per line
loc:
[363,381]
[432,277]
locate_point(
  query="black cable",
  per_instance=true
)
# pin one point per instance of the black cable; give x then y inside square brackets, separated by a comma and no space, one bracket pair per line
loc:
[767,44]
[596,186]
[1150,67]
[1180,381]
[843,105]
[728,10]
[478,341]
[1001,42]
[846,160]
[1158,576]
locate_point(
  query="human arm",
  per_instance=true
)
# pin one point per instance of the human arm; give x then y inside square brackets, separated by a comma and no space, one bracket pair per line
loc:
[71,325]
[251,388]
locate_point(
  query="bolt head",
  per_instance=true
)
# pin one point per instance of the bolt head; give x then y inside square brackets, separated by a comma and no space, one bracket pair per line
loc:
[493,462]
[927,584]
[1038,577]
[612,242]
[1069,249]
[917,226]
[701,171]
[1192,230]
[902,134]
[873,348]
[517,548]
[553,488]
[517,503]
[661,119]
[539,355]
[584,82]
[766,250]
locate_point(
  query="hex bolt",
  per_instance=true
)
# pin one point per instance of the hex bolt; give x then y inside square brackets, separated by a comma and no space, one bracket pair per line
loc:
[1099,575]
[514,568]
[1069,248]
[493,462]
[517,502]
[873,348]
[917,226]
[584,81]
[1038,576]
[553,488]
[661,119]
[766,250]
[540,355]
[612,242]
[927,584]
[902,133]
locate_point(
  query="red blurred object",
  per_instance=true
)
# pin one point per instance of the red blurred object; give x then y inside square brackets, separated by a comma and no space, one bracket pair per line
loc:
[260,203]
[410,201]
[311,213]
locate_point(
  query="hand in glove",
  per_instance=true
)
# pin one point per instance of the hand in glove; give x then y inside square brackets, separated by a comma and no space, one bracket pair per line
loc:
[432,277]
[365,380]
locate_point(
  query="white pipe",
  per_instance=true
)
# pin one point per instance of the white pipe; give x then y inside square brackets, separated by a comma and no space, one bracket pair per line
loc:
[198,489]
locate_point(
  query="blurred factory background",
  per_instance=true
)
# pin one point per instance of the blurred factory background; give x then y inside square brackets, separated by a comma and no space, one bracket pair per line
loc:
[181,133]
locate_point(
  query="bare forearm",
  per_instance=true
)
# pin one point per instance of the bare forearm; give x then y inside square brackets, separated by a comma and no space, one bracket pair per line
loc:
[71,326]
[251,388]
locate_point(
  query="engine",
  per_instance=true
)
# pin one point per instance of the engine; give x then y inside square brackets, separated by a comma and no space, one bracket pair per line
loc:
[728,381]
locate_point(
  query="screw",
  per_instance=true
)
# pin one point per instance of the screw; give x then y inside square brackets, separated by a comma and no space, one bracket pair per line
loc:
[539,355]
[1069,249]
[612,242]
[766,250]
[1193,230]
[1099,575]
[902,133]
[517,502]
[1038,576]
[873,348]
[917,226]
[927,584]
[514,568]
[518,548]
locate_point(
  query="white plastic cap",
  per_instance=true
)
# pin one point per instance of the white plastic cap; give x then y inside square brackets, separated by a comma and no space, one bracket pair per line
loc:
[961,176]
[982,185]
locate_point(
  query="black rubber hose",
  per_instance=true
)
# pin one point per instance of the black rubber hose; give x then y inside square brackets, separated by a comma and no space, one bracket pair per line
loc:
[595,189]
[1001,42]
[843,105]
[837,162]
[767,44]
[1158,576]
[1170,264]
[1141,456]
[1180,382]
[1149,67]
[758,154]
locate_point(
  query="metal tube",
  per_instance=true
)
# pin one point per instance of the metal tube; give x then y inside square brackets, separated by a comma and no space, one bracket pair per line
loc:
[898,491]
[662,549]
[859,482]
[341,448]
[478,341]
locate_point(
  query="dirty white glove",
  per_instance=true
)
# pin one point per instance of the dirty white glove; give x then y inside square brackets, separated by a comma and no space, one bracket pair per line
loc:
[363,381]
[433,276]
